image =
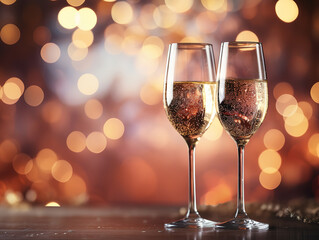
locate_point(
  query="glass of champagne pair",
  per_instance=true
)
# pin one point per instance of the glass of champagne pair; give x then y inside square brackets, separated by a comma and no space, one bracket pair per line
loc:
[192,93]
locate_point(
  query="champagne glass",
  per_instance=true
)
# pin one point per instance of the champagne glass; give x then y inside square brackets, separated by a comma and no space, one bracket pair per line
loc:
[242,106]
[189,102]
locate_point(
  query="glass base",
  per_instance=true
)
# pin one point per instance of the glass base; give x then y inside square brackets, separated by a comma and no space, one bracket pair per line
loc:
[191,223]
[243,224]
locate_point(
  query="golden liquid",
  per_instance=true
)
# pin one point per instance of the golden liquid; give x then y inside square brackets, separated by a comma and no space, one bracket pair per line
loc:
[242,106]
[190,107]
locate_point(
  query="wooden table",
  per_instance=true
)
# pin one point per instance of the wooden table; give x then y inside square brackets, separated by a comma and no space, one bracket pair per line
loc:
[127,223]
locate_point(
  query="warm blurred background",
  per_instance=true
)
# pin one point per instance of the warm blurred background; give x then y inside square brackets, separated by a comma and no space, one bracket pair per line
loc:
[82,120]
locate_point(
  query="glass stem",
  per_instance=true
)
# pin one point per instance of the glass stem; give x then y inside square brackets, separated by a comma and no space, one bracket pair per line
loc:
[192,209]
[241,212]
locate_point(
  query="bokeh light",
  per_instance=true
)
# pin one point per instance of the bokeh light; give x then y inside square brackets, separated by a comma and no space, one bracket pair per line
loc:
[274,139]
[96,142]
[22,163]
[52,204]
[113,128]
[18,82]
[62,171]
[33,96]
[45,159]
[12,90]
[87,19]
[13,197]
[122,12]
[286,101]
[164,17]
[270,181]
[247,35]
[153,47]
[31,195]
[75,3]
[74,188]
[179,6]
[10,34]
[213,5]
[8,2]
[269,161]
[76,141]
[82,39]
[93,109]
[299,129]
[88,84]
[295,117]
[68,17]
[287,10]
[306,109]
[50,52]
[36,175]
[314,92]
[313,144]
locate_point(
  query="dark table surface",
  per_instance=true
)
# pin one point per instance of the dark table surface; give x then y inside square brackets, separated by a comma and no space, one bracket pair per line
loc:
[132,223]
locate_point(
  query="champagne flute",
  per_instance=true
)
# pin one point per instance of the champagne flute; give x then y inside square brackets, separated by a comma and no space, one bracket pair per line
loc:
[189,102]
[242,106]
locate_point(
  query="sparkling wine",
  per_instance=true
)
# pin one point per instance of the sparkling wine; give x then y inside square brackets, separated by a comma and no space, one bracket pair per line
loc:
[190,107]
[242,106]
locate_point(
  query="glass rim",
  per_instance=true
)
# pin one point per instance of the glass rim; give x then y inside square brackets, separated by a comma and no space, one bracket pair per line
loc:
[242,44]
[190,45]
